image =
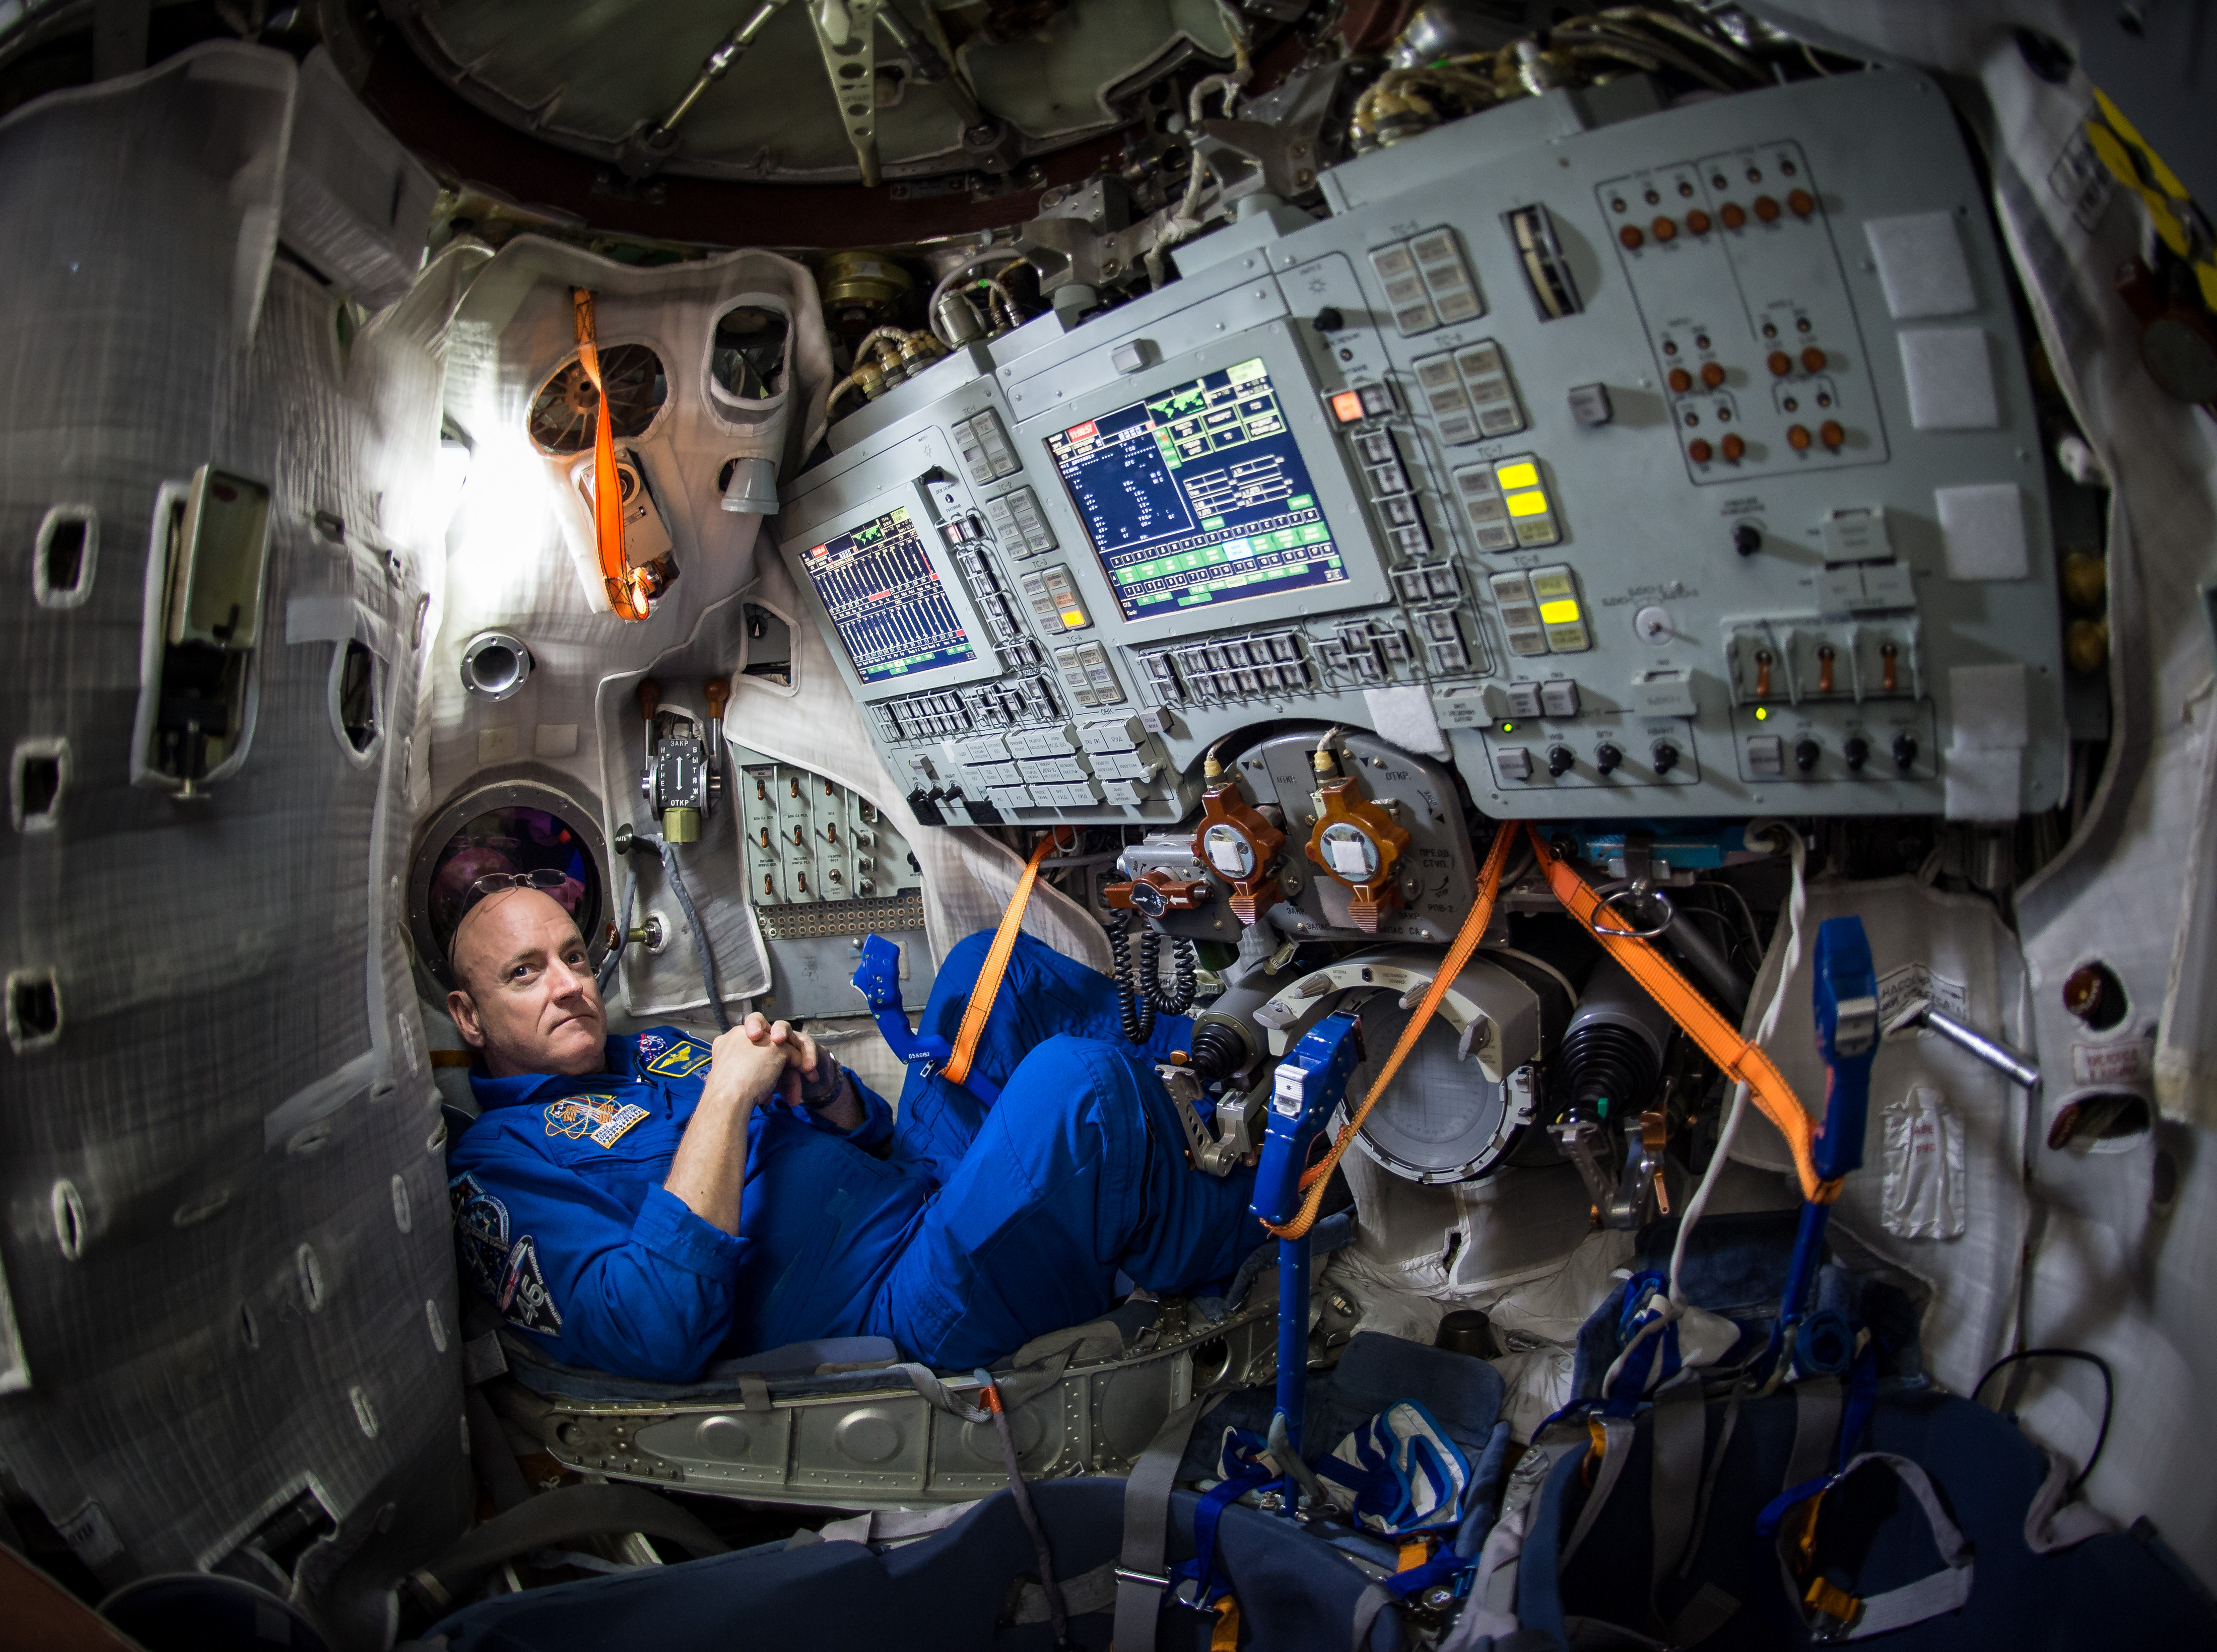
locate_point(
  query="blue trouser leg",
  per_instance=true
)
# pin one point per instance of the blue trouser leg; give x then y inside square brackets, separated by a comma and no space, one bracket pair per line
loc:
[1077,1172]
[1042,995]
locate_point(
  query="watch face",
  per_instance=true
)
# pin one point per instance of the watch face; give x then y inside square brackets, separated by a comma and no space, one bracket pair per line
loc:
[1349,853]
[1229,851]
[1150,900]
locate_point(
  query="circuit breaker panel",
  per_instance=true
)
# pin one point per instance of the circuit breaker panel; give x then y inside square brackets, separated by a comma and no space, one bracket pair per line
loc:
[1682,465]
[823,871]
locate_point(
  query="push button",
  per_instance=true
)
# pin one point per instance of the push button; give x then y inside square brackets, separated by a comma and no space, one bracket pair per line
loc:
[1559,697]
[1766,756]
[1514,763]
[1524,700]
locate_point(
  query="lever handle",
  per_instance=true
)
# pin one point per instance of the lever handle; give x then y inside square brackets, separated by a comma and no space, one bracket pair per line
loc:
[718,690]
[650,697]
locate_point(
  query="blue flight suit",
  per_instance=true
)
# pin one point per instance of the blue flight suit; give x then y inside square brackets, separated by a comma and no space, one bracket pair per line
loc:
[960,1231]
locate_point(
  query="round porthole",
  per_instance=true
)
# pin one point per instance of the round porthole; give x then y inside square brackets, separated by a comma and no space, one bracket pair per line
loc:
[494,665]
[531,824]
[567,407]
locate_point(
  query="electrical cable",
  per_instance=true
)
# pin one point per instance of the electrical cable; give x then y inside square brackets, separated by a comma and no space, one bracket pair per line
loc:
[1185,964]
[607,971]
[2108,1395]
[1138,1013]
[1674,1303]
[699,934]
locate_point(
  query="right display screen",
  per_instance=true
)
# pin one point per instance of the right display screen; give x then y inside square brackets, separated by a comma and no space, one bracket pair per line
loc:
[1198,494]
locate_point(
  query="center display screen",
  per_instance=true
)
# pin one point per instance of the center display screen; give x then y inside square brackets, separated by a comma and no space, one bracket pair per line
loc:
[1198,494]
[885,600]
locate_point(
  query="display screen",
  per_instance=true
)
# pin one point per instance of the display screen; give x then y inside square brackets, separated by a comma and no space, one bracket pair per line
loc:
[1197,495]
[885,597]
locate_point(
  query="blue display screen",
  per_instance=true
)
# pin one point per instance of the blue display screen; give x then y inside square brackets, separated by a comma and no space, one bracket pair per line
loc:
[885,600]
[1198,494]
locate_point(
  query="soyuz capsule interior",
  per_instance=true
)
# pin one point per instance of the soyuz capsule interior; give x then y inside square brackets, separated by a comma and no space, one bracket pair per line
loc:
[915,823]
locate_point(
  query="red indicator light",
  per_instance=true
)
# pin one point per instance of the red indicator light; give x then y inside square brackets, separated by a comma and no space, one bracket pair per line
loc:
[1347,407]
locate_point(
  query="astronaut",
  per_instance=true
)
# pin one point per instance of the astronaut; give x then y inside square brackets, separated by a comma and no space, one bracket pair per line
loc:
[648,1203]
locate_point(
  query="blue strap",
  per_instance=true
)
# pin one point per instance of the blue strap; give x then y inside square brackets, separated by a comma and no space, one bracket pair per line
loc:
[877,979]
[1201,1571]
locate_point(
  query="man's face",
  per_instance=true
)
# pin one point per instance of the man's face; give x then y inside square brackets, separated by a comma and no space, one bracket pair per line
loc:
[528,997]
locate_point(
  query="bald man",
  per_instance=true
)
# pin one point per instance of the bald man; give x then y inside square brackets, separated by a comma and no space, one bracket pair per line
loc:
[646,1203]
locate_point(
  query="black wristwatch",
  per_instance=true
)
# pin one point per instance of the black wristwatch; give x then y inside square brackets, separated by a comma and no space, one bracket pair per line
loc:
[823,1090]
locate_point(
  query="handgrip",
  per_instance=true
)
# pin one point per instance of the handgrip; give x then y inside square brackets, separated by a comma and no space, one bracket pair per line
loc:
[718,690]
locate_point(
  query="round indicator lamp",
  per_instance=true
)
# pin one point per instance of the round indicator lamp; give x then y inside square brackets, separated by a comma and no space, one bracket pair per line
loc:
[1762,714]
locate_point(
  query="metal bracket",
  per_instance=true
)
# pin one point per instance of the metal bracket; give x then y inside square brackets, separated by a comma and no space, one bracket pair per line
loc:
[846,32]
[877,977]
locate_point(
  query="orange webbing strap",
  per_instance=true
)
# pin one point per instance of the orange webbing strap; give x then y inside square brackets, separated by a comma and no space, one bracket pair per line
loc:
[1466,942]
[1741,1061]
[616,573]
[996,965]
[1225,1636]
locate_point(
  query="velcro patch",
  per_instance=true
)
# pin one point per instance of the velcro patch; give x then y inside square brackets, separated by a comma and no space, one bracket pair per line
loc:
[609,1133]
[683,1059]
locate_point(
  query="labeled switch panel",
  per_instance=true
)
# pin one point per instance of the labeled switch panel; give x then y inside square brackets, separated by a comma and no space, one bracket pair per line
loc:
[806,839]
[1600,443]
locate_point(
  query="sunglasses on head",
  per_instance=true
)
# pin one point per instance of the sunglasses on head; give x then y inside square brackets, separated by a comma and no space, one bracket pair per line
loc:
[495,882]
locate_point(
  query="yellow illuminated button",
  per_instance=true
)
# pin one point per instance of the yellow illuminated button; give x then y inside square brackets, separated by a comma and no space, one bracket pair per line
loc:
[1562,619]
[1531,513]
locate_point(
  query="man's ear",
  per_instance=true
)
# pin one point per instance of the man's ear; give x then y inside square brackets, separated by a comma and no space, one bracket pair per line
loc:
[464,1010]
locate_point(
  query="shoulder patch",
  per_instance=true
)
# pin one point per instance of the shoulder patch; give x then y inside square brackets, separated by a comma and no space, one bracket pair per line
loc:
[683,1059]
[480,1234]
[523,1298]
[650,1045]
[578,1115]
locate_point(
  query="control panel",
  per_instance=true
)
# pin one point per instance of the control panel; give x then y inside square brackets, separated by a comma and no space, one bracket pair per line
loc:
[1685,466]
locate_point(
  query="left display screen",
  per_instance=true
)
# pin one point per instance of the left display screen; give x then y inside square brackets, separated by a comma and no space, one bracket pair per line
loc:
[885,599]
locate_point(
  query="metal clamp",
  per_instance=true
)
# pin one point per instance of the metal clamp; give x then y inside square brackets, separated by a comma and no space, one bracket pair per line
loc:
[1640,889]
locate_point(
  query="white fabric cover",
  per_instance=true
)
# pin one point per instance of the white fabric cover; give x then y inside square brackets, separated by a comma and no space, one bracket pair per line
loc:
[237,1112]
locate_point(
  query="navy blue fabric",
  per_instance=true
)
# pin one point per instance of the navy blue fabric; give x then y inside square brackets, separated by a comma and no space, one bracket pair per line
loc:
[1463,1394]
[2110,1590]
[959,1233]
[947,1592]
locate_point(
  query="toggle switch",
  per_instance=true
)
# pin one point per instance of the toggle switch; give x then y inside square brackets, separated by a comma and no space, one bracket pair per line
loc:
[1805,753]
[1905,751]
[1607,757]
[1664,756]
[1857,752]
[1561,761]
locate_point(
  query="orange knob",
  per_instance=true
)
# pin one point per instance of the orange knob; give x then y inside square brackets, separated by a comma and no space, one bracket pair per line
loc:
[649,697]
[1681,380]
[1765,208]
[1814,359]
[1889,658]
[1781,363]
[1664,230]
[1631,237]
[1825,669]
[1735,449]
[719,692]
[1797,436]
[1699,451]
[1763,674]
[1698,221]
[1802,203]
[1733,214]
[1830,435]
[1712,375]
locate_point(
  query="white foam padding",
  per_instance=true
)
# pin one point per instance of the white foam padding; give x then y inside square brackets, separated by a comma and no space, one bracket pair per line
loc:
[1989,707]
[1984,786]
[1984,764]
[1950,372]
[1982,528]
[1920,265]
[1403,715]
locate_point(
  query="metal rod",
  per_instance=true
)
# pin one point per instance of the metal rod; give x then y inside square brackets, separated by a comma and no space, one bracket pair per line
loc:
[1996,1055]
[719,63]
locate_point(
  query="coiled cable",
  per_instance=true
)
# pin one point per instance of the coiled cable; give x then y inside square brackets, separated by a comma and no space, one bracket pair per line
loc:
[1138,1012]
[1185,964]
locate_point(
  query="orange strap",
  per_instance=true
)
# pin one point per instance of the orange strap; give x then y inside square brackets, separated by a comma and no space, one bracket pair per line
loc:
[1459,954]
[1225,1636]
[1741,1061]
[626,593]
[996,965]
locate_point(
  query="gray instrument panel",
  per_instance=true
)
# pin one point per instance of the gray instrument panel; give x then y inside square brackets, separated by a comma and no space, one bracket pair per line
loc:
[1686,465]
